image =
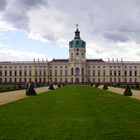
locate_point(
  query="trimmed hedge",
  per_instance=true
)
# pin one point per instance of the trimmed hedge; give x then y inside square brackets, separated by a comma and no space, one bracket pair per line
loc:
[127,91]
[51,87]
[105,87]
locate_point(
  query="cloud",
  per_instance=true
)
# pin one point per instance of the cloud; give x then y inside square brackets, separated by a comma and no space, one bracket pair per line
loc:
[16,12]
[7,53]
[3,4]
[104,24]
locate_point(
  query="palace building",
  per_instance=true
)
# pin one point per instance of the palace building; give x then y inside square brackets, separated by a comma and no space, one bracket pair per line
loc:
[76,69]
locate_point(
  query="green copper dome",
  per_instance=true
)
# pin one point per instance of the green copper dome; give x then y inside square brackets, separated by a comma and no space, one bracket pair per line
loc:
[77,42]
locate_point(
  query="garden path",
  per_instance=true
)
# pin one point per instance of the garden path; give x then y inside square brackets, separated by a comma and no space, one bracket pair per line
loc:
[11,96]
[135,93]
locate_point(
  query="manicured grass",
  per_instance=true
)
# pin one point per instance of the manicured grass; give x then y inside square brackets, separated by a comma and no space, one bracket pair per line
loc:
[72,113]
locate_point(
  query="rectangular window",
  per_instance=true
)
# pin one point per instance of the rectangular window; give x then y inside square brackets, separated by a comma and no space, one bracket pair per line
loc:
[130,80]
[50,72]
[66,80]
[130,73]
[20,80]
[0,73]
[35,72]
[66,72]
[89,72]
[125,80]
[98,72]
[10,73]
[135,73]
[30,80]
[119,73]
[55,72]
[60,80]
[125,73]
[56,80]
[104,73]
[30,73]
[40,73]
[115,80]
[20,73]
[10,80]
[5,73]
[44,73]
[5,80]
[15,80]
[119,80]
[110,73]
[15,73]
[60,72]
[93,73]
[115,74]
[25,80]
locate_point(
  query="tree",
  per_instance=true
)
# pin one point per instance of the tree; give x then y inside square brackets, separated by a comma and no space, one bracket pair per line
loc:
[127,91]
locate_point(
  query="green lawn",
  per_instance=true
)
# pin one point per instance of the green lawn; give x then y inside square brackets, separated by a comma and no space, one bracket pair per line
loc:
[72,113]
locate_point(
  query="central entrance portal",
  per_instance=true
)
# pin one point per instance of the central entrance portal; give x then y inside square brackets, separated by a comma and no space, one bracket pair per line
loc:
[77,80]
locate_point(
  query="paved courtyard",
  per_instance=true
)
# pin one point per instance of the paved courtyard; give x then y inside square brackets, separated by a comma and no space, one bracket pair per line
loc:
[7,97]
[135,93]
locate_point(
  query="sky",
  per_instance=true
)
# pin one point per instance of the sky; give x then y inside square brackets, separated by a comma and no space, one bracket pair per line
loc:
[42,29]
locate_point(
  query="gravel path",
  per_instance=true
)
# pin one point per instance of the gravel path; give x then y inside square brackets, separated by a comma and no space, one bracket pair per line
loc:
[7,97]
[135,93]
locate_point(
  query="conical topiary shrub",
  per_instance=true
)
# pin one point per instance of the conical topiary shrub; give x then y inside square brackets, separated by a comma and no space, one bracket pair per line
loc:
[105,87]
[59,85]
[51,87]
[30,91]
[137,85]
[98,84]
[127,91]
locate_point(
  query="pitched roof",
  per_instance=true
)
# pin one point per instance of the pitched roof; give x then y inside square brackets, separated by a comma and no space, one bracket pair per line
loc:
[59,61]
[95,61]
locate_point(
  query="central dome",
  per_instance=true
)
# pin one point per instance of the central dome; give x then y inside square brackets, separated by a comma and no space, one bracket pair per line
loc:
[77,42]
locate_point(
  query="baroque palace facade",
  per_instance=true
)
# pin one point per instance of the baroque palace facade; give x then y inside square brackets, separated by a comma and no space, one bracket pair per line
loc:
[75,69]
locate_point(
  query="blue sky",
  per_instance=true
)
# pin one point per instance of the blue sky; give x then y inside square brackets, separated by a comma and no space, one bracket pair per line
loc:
[43,28]
[19,41]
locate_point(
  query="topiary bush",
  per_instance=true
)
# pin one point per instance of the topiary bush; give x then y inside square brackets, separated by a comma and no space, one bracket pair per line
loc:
[96,85]
[127,91]
[137,85]
[63,84]
[91,84]
[30,91]
[51,87]
[105,87]
[59,85]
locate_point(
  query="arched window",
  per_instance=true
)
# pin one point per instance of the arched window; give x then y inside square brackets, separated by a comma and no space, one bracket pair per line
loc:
[77,54]
[71,71]
[77,71]
[82,71]
[77,42]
